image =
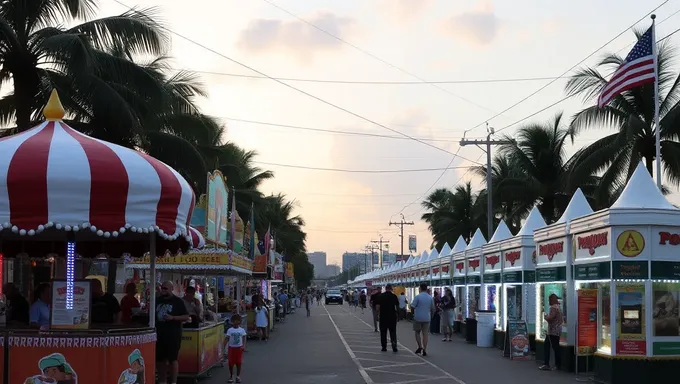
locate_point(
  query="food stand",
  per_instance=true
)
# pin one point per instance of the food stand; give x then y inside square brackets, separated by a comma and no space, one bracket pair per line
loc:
[473,284]
[491,277]
[518,256]
[553,275]
[443,267]
[202,346]
[68,198]
[627,272]
[458,282]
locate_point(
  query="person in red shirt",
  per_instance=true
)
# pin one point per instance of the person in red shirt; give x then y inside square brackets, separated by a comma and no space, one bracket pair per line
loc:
[128,302]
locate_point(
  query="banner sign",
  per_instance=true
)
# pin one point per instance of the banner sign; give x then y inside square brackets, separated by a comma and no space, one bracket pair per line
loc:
[586,331]
[516,345]
[412,243]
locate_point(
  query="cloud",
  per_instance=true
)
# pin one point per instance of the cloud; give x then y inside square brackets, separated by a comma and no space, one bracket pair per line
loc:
[404,10]
[296,37]
[478,28]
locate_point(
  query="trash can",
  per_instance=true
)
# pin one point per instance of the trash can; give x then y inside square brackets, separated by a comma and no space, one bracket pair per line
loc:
[486,323]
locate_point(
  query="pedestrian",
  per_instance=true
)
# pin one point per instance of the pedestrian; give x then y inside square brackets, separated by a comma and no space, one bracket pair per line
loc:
[355,299]
[171,313]
[552,340]
[262,320]
[402,306]
[236,343]
[374,308]
[388,308]
[423,310]
[435,324]
[448,305]
[362,301]
[308,302]
[283,299]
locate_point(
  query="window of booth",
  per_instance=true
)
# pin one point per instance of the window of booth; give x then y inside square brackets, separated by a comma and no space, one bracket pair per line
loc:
[513,302]
[459,294]
[630,319]
[473,296]
[543,291]
[530,305]
[665,310]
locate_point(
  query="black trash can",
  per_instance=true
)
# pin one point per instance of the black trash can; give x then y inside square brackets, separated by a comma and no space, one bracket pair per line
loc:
[471,331]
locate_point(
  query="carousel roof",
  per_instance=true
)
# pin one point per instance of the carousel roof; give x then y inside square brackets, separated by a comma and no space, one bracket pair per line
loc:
[459,246]
[641,192]
[197,240]
[54,176]
[577,207]
[533,222]
[502,233]
[477,240]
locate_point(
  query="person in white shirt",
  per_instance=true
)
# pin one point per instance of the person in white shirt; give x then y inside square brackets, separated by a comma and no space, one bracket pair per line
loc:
[423,310]
[262,320]
[402,306]
[236,343]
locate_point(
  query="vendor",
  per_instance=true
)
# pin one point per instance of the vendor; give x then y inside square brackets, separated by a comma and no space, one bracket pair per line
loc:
[39,315]
[193,305]
[105,308]
[129,303]
[17,309]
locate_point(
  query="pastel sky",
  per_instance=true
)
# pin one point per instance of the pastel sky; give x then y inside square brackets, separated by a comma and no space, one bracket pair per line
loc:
[435,40]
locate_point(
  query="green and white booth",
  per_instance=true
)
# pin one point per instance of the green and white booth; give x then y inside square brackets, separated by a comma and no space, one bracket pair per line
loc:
[458,281]
[491,276]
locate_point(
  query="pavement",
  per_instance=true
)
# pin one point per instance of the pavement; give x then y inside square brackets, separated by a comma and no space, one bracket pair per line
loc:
[337,345]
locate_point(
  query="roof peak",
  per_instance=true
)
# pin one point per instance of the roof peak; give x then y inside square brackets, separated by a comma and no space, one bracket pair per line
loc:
[502,232]
[477,240]
[642,192]
[533,222]
[578,206]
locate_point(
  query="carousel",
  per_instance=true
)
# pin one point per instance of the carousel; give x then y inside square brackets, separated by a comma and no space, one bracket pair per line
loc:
[72,206]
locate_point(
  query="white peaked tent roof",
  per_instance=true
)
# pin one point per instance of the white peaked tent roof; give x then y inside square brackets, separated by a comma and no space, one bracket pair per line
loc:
[502,233]
[642,192]
[433,255]
[446,251]
[578,207]
[533,222]
[477,240]
[460,245]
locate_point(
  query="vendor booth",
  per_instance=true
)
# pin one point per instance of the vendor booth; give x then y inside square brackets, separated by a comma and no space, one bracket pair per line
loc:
[71,207]
[553,276]
[458,282]
[518,255]
[443,267]
[473,284]
[627,277]
[491,277]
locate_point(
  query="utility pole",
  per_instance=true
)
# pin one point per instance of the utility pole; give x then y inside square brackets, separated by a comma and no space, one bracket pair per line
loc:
[488,142]
[380,248]
[401,224]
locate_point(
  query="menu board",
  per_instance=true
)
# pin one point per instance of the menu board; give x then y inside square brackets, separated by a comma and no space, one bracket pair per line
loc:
[630,319]
[586,339]
[516,344]
[79,316]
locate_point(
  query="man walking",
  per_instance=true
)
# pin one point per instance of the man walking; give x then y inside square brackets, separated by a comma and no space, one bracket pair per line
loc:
[423,310]
[374,308]
[171,313]
[388,308]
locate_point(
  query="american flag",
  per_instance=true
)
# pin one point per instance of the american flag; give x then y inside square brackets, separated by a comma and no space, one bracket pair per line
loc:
[638,69]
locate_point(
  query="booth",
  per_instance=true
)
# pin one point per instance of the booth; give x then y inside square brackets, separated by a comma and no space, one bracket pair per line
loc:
[68,198]
[443,268]
[473,284]
[458,282]
[627,276]
[518,257]
[554,276]
[491,277]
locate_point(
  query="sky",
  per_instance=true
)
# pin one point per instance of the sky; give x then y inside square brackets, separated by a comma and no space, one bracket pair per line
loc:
[385,41]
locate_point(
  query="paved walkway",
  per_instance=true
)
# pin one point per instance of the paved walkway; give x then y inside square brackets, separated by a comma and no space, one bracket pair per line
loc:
[337,345]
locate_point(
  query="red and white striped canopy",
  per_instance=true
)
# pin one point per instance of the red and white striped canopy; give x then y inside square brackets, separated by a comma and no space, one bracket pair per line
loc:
[197,240]
[54,176]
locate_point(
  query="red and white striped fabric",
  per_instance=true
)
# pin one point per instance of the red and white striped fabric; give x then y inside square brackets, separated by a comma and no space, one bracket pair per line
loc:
[52,175]
[197,240]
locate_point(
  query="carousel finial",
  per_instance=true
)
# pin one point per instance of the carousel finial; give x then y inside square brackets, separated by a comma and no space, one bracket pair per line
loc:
[53,110]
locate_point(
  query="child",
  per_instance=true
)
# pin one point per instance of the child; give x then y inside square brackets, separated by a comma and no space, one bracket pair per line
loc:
[236,342]
[261,320]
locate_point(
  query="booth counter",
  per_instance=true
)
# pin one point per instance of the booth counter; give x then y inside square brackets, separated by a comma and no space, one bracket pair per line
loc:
[201,349]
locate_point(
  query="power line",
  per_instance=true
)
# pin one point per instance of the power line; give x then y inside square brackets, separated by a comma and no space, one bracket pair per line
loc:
[356,170]
[375,56]
[568,70]
[383,82]
[317,98]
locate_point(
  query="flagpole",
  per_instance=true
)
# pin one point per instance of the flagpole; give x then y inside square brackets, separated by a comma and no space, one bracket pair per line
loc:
[656,105]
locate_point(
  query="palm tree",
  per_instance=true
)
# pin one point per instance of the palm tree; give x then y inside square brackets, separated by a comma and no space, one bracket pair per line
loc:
[545,175]
[454,213]
[37,54]
[631,114]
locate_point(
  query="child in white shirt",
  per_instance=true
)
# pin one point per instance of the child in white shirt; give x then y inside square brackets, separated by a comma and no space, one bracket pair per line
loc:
[236,342]
[262,321]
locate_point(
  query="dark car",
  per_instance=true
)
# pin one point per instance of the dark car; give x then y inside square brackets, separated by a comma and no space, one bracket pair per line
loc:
[333,296]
